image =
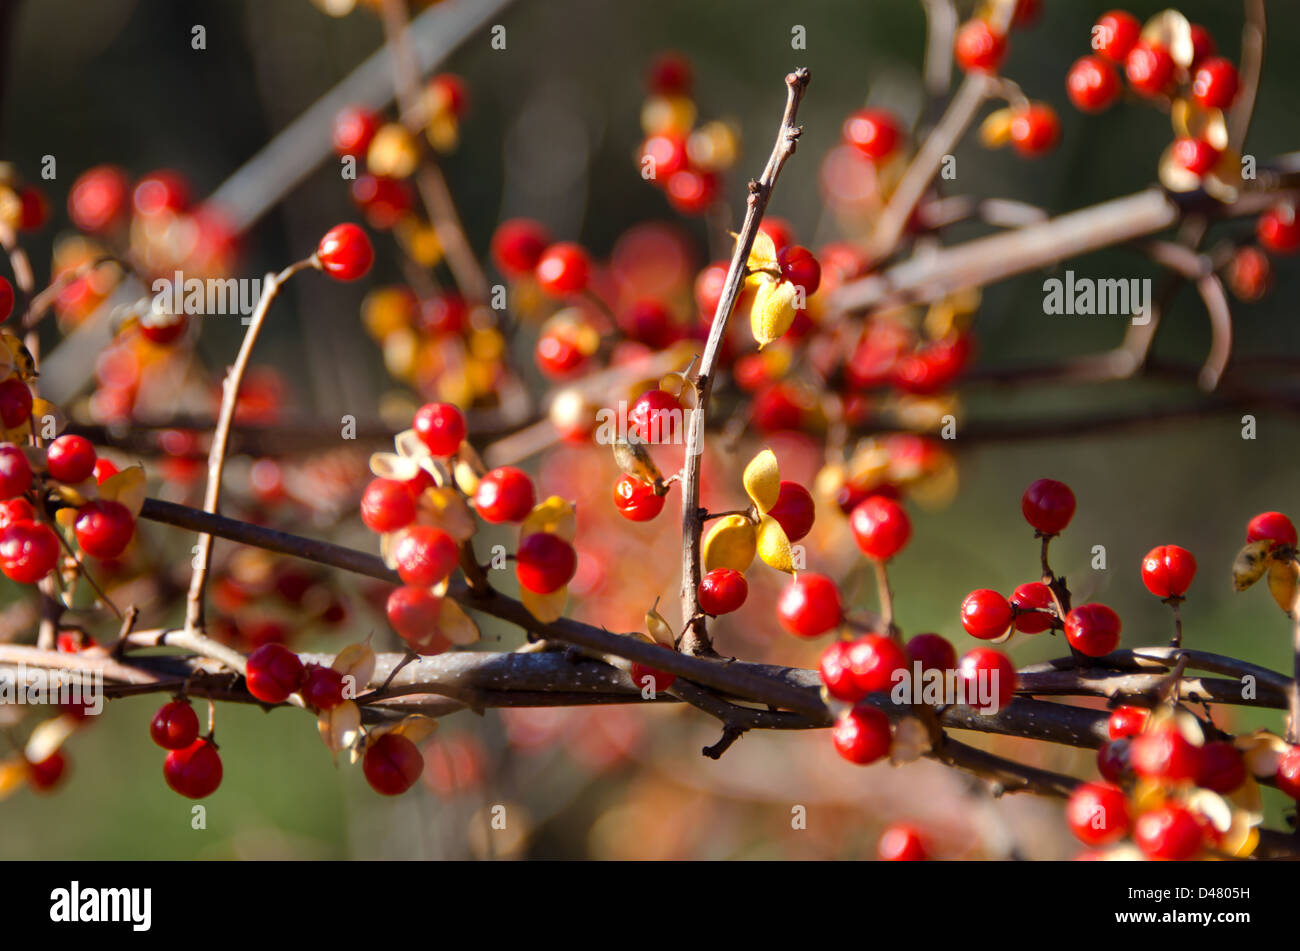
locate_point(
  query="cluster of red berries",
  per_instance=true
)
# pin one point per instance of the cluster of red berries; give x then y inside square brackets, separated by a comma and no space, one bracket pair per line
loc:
[192,766]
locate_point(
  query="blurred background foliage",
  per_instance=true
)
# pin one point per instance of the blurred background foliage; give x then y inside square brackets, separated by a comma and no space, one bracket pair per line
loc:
[552,134]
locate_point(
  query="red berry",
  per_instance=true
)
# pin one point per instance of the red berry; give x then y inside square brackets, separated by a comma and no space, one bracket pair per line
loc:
[1126,722]
[387,505]
[558,354]
[880,527]
[34,209]
[97,201]
[15,402]
[901,843]
[837,673]
[354,127]
[669,74]
[722,591]
[1288,773]
[504,495]
[15,472]
[1097,813]
[978,47]
[104,470]
[861,735]
[449,92]
[13,511]
[28,552]
[800,267]
[1215,83]
[983,670]
[1092,84]
[1048,506]
[932,651]
[104,528]
[425,555]
[71,459]
[1195,155]
[441,427]
[445,313]
[666,154]
[1278,229]
[779,230]
[345,252]
[392,764]
[384,200]
[873,659]
[1092,629]
[709,284]
[161,191]
[517,246]
[636,500]
[46,774]
[545,562]
[985,614]
[691,192]
[873,132]
[648,322]
[1169,833]
[1115,35]
[1167,571]
[322,687]
[1035,129]
[656,417]
[1249,273]
[1222,768]
[660,681]
[273,672]
[1271,526]
[794,510]
[175,725]
[6,298]
[1030,599]
[1149,69]
[1165,754]
[809,605]
[195,771]
[413,614]
[563,269]
[1112,761]
[163,329]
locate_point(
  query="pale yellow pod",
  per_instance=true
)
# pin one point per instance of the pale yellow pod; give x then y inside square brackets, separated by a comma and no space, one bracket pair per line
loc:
[773,311]
[731,543]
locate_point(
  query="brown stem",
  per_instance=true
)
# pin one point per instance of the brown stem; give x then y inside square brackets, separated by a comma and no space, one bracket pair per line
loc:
[695,638]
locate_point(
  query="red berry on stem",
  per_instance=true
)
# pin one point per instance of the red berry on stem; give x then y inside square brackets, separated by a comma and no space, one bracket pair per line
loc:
[104,528]
[104,470]
[354,127]
[1249,273]
[669,74]
[161,191]
[1092,629]
[1092,84]
[722,591]
[15,402]
[1035,129]
[933,652]
[322,687]
[425,555]
[1097,813]
[1165,754]
[1167,571]
[1112,761]
[837,673]
[659,680]
[413,614]
[1169,833]
[873,132]
[504,495]
[873,659]
[1271,526]
[13,511]
[15,472]
[517,246]
[28,552]
[71,459]
[175,725]
[1195,155]
[1288,773]
[563,269]
[666,154]
[656,417]
[195,771]
[1048,506]
[1126,722]
[1030,599]
[800,267]
[978,47]
[6,298]
[97,200]
[636,500]
[1215,83]
[880,527]
[345,252]
[985,614]
[649,322]
[441,427]
[691,192]
[1149,69]
[985,669]
[1278,229]
[861,735]
[46,774]
[901,843]
[387,505]
[273,672]
[794,510]
[1115,34]
[392,764]
[545,562]
[809,605]
[1222,768]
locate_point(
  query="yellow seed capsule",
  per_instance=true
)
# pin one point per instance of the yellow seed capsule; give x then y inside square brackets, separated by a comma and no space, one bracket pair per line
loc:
[667,115]
[386,310]
[773,311]
[713,147]
[419,241]
[393,152]
[731,543]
